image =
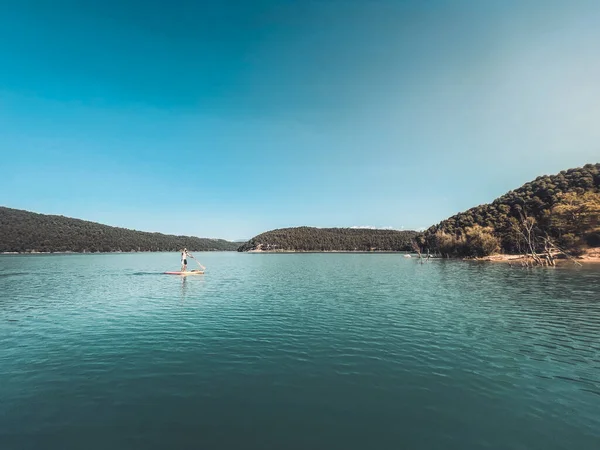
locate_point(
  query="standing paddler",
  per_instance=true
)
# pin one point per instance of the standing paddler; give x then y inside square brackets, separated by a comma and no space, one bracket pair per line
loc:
[184,255]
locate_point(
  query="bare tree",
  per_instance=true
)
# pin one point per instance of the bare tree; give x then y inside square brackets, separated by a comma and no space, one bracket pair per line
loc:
[551,249]
[417,249]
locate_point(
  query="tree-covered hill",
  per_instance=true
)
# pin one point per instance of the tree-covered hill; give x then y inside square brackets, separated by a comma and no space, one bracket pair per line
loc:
[331,239]
[561,210]
[24,231]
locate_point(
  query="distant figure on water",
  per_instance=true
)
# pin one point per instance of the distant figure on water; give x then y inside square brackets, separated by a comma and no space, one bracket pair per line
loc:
[184,255]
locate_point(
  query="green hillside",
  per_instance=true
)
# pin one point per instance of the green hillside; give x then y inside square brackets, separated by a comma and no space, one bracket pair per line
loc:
[561,210]
[331,239]
[24,231]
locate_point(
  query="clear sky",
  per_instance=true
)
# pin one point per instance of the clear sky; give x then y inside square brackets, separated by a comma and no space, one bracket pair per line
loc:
[229,118]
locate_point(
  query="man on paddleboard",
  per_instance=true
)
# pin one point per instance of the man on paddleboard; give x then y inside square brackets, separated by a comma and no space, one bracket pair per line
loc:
[184,255]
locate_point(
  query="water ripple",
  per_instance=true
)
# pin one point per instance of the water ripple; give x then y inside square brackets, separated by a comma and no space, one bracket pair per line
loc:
[297,351]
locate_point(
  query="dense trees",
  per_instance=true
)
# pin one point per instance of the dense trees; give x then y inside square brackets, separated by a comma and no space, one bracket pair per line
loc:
[563,208]
[331,239]
[558,211]
[475,241]
[23,231]
[575,219]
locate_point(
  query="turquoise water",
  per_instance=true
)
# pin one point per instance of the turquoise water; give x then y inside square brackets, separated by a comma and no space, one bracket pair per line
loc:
[296,351]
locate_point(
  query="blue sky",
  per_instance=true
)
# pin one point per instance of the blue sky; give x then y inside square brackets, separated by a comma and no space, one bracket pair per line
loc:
[229,118]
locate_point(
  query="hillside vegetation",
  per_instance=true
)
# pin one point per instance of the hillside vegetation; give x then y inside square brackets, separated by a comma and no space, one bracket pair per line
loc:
[24,231]
[560,211]
[331,239]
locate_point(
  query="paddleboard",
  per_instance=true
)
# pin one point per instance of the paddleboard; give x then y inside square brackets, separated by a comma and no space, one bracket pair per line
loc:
[193,272]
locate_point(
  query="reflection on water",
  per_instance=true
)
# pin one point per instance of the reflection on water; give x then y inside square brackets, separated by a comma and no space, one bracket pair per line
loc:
[183,287]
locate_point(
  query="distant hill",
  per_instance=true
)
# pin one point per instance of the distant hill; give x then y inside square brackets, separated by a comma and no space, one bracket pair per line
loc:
[330,239]
[563,209]
[24,231]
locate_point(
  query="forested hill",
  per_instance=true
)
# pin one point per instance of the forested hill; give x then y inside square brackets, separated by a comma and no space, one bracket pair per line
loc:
[561,209]
[331,239]
[24,231]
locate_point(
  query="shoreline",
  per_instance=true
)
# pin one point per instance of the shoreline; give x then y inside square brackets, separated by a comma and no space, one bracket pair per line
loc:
[329,251]
[110,253]
[590,256]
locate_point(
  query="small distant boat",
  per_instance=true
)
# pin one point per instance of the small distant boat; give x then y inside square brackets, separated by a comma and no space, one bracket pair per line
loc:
[407,256]
[189,272]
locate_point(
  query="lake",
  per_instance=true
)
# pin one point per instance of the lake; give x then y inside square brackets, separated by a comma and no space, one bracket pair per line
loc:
[296,351]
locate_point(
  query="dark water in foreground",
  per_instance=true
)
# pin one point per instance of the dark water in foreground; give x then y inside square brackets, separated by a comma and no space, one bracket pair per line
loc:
[308,351]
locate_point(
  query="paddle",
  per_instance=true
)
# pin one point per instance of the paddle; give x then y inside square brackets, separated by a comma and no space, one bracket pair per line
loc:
[203,268]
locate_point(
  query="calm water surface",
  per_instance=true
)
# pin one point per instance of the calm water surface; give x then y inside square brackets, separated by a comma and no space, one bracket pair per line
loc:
[307,351]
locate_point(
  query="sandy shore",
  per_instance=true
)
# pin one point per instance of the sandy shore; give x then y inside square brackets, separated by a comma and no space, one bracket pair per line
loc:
[590,256]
